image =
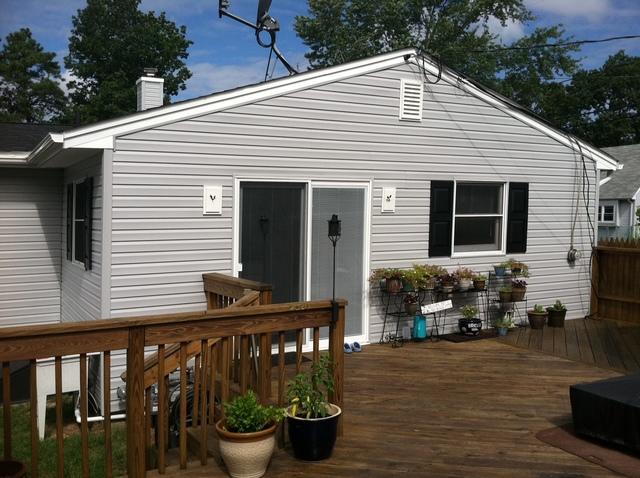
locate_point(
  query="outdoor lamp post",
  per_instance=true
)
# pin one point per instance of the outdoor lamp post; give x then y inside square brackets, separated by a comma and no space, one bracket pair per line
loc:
[335,230]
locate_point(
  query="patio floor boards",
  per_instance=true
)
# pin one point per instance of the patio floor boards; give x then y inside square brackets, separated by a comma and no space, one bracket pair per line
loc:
[447,410]
[604,343]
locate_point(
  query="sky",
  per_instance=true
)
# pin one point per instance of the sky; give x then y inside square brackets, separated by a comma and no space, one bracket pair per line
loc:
[225,54]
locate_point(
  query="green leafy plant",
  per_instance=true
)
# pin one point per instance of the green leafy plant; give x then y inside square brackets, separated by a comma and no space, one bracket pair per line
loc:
[415,277]
[539,309]
[245,414]
[386,273]
[480,277]
[505,322]
[464,273]
[506,288]
[559,306]
[469,311]
[308,391]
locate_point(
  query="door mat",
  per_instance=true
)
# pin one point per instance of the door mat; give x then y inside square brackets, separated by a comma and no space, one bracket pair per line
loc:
[614,459]
[458,337]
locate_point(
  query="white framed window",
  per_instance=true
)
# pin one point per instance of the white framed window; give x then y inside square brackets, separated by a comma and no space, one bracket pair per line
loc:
[79,217]
[607,213]
[479,218]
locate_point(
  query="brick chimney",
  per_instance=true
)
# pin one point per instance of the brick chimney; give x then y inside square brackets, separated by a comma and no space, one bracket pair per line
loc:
[150,90]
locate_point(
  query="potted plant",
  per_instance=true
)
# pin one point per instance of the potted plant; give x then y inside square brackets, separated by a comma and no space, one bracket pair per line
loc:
[500,269]
[518,268]
[411,304]
[504,323]
[312,420]
[464,275]
[505,293]
[470,324]
[389,279]
[247,435]
[557,313]
[537,316]
[479,281]
[518,290]
[447,281]
[432,273]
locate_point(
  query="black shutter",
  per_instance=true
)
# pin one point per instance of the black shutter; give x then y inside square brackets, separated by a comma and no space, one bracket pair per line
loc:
[517,217]
[440,218]
[88,217]
[69,222]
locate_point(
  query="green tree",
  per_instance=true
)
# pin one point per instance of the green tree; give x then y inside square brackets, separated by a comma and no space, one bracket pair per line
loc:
[29,88]
[456,31]
[111,43]
[603,103]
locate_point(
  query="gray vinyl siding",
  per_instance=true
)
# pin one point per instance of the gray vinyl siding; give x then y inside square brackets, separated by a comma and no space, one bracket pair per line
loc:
[81,289]
[30,241]
[347,130]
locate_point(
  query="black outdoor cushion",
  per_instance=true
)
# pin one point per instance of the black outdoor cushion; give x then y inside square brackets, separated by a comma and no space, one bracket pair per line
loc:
[608,410]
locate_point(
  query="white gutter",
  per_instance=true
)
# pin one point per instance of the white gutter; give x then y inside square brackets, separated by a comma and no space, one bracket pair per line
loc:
[17,158]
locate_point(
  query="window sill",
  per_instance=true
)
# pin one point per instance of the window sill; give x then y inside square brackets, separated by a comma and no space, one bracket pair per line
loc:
[477,254]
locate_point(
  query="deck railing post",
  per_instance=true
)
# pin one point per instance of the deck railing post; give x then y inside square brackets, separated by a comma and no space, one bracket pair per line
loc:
[336,352]
[136,453]
[595,279]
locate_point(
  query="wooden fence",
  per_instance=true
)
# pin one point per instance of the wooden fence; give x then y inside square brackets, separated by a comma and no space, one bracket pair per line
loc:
[615,286]
[218,339]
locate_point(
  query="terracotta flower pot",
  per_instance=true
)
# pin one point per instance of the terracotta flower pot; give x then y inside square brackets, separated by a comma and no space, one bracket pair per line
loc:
[537,319]
[246,455]
[394,286]
[517,294]
[479,284]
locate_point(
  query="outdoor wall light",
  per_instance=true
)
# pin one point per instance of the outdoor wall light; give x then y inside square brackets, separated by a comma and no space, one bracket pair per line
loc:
[335,230]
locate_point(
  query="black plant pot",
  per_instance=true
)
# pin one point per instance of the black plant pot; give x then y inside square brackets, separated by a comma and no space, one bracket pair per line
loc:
[313,439]
[470,326]
[556,317]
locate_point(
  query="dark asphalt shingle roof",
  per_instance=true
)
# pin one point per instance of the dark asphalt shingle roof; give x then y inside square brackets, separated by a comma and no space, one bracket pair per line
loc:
[24,136]
[625,182]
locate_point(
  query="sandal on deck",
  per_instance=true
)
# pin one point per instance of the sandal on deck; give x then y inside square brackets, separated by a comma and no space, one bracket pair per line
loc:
[356,347]
[347,348]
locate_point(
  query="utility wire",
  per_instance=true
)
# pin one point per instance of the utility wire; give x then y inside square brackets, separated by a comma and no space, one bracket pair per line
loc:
[557,45]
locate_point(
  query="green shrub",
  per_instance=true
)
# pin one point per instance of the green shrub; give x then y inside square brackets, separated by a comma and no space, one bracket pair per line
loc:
[245,414]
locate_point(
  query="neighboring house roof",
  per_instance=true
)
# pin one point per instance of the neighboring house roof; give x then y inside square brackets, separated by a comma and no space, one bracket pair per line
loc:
[102,135]
[623,184]
[17,140]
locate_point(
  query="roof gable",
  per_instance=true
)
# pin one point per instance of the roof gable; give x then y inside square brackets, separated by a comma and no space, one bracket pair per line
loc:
[102,135]
[623,184]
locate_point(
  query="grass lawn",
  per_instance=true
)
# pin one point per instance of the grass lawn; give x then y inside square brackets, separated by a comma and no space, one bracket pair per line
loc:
[21,443]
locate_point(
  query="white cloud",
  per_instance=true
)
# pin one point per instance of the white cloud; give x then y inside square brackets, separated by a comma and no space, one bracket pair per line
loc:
[590,9]
[508,33]
[209,77]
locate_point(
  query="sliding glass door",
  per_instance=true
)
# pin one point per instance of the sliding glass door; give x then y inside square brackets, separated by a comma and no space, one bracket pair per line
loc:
[349,203]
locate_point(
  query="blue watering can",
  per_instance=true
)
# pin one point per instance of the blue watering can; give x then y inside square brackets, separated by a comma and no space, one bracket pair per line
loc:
[419,327]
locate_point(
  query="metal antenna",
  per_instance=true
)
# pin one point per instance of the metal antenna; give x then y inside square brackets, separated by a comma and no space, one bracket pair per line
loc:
[264,23]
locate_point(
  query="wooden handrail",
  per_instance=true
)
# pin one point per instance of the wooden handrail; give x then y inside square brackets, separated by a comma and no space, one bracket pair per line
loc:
[220,340]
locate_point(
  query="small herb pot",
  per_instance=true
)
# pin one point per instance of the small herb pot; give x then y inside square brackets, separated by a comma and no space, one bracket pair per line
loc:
[505,296]
[537,319]
[502,331]
[500,270]
[431,283]
[479,284]
[517,294]
[313,439]
[394,286]
[470,326]
[556,317]
[407,286]
[411,308]
[465,284]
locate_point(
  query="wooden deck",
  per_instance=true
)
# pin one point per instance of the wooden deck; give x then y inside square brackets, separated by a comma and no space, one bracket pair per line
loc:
[448,410]
[604,343]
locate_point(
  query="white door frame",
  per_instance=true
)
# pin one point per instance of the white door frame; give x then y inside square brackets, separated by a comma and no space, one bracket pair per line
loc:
[306,267]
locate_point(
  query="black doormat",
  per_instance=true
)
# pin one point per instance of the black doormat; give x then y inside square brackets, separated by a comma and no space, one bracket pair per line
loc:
[458,337]
[289,359]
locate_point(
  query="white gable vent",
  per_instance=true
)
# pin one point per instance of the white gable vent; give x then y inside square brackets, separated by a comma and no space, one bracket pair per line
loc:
[410,100]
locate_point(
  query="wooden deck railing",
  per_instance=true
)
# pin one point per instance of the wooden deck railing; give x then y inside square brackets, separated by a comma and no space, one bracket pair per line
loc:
[615,284]
[216,332]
